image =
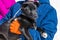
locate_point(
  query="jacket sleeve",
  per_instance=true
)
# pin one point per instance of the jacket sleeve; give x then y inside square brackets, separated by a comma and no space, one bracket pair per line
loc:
[49,24]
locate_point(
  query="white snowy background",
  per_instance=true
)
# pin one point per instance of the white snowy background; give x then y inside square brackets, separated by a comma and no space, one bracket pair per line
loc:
[56,5]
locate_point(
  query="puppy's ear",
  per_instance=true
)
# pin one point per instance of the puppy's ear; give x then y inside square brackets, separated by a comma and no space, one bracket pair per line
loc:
[37,4]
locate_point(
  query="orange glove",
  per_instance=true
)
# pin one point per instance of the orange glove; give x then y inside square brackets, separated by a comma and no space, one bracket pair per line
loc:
[14,27]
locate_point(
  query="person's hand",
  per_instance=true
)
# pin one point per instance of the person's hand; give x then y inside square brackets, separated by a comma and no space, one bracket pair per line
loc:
[14,27]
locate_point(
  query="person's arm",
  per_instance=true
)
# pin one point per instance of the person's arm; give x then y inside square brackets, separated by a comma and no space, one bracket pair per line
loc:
[15,25]
[49,24]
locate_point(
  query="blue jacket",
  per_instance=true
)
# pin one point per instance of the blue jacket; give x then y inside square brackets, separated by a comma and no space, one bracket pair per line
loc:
[47,19]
